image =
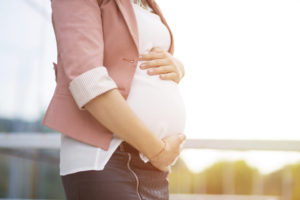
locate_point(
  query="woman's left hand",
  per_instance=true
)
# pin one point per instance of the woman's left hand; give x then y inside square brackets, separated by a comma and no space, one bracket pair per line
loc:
[163,63]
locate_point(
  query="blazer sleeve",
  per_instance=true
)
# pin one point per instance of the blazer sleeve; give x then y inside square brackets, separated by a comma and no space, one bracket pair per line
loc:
[77,26]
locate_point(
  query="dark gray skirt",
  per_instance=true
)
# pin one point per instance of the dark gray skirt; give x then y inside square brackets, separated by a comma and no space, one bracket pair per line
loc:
[125,177]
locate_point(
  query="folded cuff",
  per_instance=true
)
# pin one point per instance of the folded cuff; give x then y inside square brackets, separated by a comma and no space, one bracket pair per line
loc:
[90,84]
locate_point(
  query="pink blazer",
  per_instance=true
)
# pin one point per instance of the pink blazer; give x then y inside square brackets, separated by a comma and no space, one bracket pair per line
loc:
[90,34]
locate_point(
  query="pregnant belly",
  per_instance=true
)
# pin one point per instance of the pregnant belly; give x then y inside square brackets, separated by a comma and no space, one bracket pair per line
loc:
[158,103]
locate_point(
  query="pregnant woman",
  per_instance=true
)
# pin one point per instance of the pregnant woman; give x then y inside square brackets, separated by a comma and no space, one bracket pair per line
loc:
[146,125]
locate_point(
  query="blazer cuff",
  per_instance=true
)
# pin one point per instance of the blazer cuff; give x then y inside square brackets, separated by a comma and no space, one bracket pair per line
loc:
[90,84]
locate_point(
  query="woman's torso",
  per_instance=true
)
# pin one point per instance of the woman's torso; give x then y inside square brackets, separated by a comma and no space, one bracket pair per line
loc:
[158,103]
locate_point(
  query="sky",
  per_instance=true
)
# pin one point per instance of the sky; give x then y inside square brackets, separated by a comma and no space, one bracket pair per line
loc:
[241,62]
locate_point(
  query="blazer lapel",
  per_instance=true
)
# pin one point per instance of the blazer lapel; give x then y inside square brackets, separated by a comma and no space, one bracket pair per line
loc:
[129,16]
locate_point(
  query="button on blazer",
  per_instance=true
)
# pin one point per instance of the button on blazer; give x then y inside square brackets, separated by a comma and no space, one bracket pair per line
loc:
[94,38]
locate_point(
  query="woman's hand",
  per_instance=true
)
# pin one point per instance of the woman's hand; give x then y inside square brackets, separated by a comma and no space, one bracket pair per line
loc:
[163,63]
[170,154]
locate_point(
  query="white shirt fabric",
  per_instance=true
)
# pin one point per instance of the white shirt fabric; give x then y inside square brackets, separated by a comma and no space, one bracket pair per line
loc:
[158,103]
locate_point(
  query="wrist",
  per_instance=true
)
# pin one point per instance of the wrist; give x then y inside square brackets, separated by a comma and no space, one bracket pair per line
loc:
[163,148]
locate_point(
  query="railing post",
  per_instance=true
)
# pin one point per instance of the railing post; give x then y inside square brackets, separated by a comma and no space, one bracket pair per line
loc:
[287,183]
[257,183]
[200,184]
[228,178]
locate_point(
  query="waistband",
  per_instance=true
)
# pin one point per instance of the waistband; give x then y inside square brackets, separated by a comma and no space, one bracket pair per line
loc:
[126,147]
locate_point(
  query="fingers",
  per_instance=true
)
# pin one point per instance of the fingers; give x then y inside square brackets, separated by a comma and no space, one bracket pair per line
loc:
[170,76]
[152,55]
[155,53]
[182,144]
[154,63]
[182,137]
[161,165]
[158,49]
[179,138]
[165,169]
[171,155]
[161,70]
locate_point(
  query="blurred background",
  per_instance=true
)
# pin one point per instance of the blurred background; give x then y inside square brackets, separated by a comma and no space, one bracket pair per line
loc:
[241,89]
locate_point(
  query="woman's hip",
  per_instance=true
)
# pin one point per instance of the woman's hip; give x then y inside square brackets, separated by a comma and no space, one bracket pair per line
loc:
[125,176]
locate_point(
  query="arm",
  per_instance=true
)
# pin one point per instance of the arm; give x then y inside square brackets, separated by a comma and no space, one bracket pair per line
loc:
[112,110]
[78,31]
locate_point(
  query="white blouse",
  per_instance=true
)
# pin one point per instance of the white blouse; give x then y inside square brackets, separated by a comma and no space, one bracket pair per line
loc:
[158,103]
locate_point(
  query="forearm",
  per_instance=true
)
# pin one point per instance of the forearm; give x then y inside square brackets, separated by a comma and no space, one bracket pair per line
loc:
[112,110]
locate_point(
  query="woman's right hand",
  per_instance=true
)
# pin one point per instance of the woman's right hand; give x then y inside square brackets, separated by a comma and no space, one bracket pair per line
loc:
[169,155]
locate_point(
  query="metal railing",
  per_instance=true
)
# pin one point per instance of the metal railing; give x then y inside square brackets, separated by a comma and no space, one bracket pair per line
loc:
[52,141]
